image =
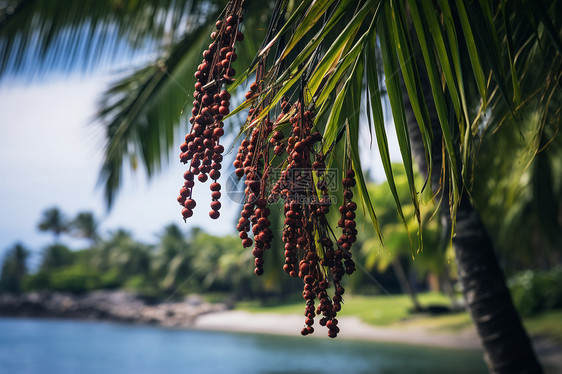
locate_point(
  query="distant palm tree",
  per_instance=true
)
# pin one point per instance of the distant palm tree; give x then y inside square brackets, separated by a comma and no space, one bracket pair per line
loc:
[397,239]
[85,225]
[56,256]
[173,258]
[14,269]
[121,251]
[54,221]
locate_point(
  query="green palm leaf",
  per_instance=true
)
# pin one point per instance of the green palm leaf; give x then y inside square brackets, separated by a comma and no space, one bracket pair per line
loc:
[38,35]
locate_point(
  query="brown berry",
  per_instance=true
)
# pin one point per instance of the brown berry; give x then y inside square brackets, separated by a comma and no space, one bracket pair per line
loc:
[186,213]
[190,203]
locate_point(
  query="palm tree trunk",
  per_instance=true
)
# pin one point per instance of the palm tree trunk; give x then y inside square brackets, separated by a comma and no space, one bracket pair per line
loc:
[447,286]
[507,347]
[404,283]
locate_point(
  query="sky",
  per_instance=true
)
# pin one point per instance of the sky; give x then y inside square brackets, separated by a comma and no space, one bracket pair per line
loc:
[50,155]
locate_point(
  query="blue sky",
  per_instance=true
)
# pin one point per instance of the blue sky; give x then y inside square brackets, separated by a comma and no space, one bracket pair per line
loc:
[50,155]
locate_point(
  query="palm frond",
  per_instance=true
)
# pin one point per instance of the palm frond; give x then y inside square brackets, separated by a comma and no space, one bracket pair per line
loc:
[38,36]
[493,57]
[142,111]
[462,44]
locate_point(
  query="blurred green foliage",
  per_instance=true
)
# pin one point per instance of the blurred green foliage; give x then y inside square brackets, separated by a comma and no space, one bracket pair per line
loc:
[536,291]
[400,242]
[181,262]
[14,269]
[519,191]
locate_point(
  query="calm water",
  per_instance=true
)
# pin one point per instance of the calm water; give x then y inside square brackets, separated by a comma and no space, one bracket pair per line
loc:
[58,347]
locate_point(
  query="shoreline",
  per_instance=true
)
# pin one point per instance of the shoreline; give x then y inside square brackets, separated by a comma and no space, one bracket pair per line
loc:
[352,328]
[194,313]
[115,306]
[548,351]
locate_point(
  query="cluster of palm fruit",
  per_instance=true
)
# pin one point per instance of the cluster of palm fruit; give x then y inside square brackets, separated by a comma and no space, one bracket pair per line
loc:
[202,148]
[280,161]
[255,213]
[292,159]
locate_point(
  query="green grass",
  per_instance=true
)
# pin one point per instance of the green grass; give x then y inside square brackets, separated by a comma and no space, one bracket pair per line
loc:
[546,324]
[375,310]
[393,312]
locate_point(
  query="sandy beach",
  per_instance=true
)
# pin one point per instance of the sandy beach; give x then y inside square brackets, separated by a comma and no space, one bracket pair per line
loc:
[550,353]
[351,328]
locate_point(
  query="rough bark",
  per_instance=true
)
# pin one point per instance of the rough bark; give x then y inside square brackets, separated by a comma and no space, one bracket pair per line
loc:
[507,347]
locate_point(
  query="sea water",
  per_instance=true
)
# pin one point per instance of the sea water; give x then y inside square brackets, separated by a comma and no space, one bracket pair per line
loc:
[34,346]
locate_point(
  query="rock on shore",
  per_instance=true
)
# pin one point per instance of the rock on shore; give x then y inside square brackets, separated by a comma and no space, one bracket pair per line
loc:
[121,306]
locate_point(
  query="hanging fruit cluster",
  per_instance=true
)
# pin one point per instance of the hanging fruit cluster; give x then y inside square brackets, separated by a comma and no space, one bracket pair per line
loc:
[202,148]
[296,161]
[281,161]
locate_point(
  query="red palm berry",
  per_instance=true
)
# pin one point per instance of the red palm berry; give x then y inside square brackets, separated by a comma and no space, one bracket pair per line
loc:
[218,132]
[231,56]
[188,175]
[224,110]
[224,95]
[190,203]
[186,213]
[214,174]
[231,20]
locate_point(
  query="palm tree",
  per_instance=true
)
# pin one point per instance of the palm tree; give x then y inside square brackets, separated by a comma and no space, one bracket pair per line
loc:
[529,197]
[397,239]
[14,269]
[173,257]
[122,252]
[56,256]
[85,225]
[53,220]
[463,70]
